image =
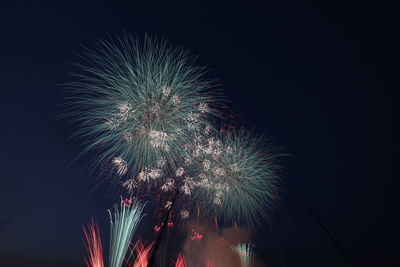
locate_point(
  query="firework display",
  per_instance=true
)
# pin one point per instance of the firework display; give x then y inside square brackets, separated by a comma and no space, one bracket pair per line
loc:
[148,115]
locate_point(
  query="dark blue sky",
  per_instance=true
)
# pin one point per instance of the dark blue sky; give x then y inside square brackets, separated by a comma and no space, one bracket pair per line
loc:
[319,78]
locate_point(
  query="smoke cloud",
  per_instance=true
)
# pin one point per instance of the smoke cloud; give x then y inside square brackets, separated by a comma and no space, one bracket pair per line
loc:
[207,247]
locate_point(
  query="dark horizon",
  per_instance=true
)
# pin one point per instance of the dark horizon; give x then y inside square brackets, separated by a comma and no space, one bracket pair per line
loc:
[319,79]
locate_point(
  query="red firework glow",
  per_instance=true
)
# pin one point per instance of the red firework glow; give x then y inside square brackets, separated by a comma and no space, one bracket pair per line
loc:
[180,261]
[196,235]
[157,228]
[127,202]
[93,246]
[143,253]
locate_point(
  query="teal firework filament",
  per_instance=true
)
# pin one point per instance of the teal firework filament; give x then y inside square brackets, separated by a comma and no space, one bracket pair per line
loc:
[124,222]
[245,253]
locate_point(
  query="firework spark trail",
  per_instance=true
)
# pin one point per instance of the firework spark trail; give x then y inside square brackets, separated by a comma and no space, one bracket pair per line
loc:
[143,254]
[180,261]
[245,253]
[93,246]
[137,106]
[124,222]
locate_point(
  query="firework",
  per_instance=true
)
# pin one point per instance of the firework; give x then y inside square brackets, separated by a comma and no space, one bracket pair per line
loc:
[237,176]
[245,253]
[124,222]
[137,106]
[93,246]
[180,261]
[143,253]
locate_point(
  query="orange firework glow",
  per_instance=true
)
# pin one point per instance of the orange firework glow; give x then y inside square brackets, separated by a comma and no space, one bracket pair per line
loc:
[93,246]
[143,253]
[180,261]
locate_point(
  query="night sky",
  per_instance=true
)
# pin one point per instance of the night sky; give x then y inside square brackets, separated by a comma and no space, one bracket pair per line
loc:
[318,78]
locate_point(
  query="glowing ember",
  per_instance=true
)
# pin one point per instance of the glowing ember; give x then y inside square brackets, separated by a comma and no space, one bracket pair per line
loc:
[196,235]
[157,228]
[127,202]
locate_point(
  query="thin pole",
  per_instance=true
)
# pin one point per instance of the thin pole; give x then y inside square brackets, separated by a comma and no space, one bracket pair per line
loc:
[331,237]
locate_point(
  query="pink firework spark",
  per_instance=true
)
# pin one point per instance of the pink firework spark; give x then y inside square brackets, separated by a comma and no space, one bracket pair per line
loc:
[143,254]
[157,228]
[196,235]
[93,246]
[180,261]
[127,201]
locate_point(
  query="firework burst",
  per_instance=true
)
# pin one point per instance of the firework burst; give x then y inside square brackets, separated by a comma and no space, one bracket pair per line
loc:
[137,106]
[237,176]
[124,222]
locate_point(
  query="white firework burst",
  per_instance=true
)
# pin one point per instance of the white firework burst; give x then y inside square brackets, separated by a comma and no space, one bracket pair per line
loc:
[161,162]
[130,185]
[179,172]
[168,186]
[176,100]
[121,165]
[184,214]
[186,189]
[112,123]
[203,107]
[168,205]
[207,129]
[159,139]
[219,171]
[124,110]
[166,90]
[127,137]
[192,121]
[206,165]
[147,174]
